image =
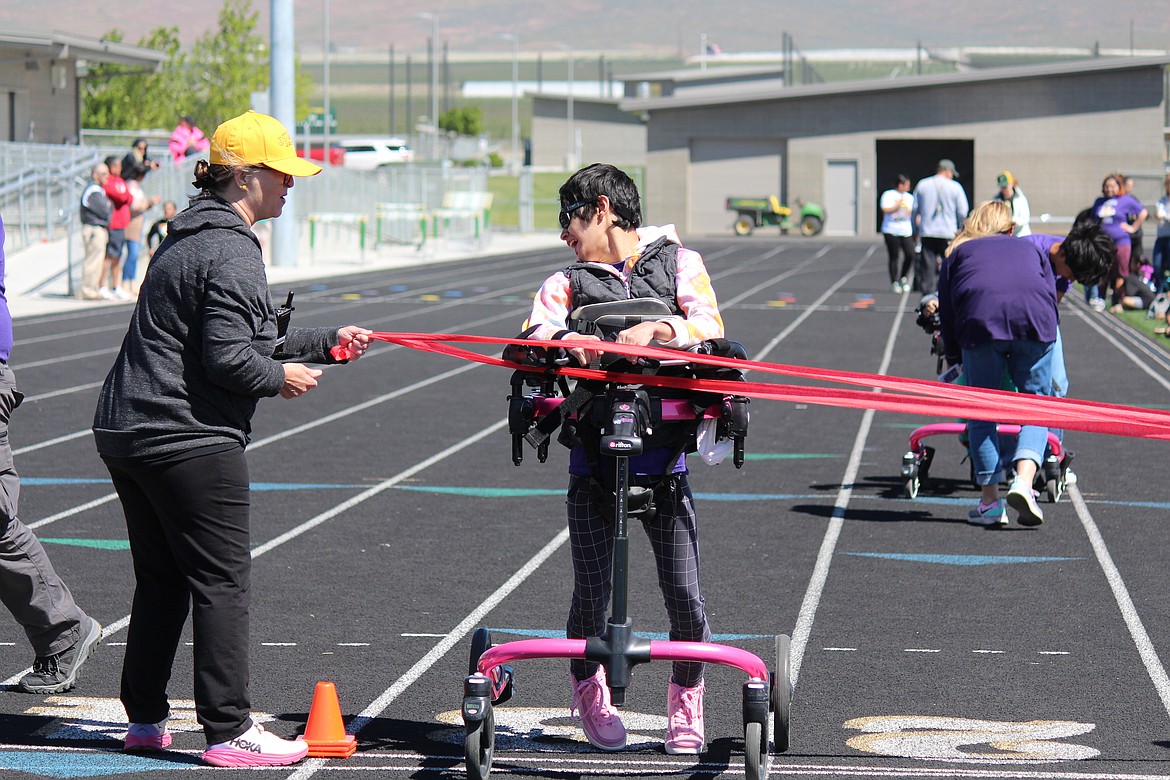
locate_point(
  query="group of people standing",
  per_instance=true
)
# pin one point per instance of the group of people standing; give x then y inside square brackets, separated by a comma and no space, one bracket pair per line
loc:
[918,225]
[113,212]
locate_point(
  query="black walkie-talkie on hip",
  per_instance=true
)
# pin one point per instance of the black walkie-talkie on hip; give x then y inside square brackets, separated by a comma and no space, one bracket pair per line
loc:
[283,315]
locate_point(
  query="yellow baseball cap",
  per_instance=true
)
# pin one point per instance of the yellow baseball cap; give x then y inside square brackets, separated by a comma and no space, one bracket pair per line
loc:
[258,139]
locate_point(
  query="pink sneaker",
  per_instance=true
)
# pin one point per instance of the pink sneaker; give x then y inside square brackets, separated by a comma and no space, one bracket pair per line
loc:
[256,747]
[599,720]
[147,737]
[684,716]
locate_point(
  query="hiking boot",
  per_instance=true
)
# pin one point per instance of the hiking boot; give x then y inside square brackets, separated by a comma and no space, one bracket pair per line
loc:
[256,747]
[1023,500]
[147,737]
[684,720]
[599,720]
[988,515]
[58,673]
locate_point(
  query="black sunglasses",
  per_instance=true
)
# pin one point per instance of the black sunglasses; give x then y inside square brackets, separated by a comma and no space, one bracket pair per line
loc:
[287,178]
[567,212]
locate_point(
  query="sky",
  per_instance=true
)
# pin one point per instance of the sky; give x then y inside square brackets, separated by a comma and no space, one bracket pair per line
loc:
[660,25]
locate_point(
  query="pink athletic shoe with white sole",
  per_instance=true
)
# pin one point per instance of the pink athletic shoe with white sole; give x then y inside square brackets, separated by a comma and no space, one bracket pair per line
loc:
[599,720]
[256,747]
[685,733]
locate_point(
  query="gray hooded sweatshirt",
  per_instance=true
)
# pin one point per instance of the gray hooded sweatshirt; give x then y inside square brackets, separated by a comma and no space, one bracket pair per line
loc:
[200,349]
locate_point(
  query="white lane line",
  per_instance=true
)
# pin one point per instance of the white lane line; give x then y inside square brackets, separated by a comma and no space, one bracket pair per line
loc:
[329,418]
[457,634]
[1139,362]
[921,650]
[51,442]
[820,574]
[796,323]
[1129,612]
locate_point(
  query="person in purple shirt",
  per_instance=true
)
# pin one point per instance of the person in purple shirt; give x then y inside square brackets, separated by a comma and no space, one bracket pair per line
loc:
[1084,255]
[997,305]
[1120,216]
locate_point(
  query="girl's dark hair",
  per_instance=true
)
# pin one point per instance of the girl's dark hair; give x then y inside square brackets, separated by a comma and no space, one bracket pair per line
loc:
[1088,250]
[212,178]
[587,184]
[902,179]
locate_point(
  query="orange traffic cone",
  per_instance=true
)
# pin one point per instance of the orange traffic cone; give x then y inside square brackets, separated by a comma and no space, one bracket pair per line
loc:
[325,731]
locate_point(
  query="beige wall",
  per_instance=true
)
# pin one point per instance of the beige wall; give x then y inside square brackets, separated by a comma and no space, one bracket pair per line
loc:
[607,134]
[34,107]
[1059,135]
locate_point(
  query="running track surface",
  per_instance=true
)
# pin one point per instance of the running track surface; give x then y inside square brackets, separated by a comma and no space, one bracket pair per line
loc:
[389,523]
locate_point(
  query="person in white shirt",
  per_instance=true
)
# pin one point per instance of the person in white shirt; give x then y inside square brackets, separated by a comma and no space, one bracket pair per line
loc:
[898,232]
[1010,193]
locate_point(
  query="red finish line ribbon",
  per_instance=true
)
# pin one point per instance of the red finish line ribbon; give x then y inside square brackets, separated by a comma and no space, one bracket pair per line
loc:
[899,394]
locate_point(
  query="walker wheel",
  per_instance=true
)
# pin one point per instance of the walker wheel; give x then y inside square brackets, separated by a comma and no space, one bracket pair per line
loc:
[910,486]
[479,744]
[755,750]
[1054,489]
[781,695]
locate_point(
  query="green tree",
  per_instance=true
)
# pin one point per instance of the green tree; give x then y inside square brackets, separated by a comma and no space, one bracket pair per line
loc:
[213,82]
[226,66]
[467,120]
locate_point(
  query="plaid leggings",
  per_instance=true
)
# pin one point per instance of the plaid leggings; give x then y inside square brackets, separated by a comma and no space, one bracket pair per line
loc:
[675,541]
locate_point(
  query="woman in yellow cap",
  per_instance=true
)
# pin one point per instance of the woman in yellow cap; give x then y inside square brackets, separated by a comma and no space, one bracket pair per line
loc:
[172,421]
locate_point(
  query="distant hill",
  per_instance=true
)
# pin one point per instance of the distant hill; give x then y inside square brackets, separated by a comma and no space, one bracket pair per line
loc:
[667,28]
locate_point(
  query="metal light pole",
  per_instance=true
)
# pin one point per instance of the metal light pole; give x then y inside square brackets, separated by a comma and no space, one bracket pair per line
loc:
[282,105]
[325,81]
[434,77]
[515,163]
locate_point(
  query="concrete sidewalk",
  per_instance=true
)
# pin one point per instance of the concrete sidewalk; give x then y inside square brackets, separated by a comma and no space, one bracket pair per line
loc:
[36,279]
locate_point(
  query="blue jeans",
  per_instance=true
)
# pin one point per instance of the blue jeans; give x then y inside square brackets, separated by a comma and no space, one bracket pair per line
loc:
[1059,377]
[1029,363]
[1161,261]
[130,265]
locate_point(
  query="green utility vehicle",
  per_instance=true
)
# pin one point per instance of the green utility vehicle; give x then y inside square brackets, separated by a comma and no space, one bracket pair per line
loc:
[752,213]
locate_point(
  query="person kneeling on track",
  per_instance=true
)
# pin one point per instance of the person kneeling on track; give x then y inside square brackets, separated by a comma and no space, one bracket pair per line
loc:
[997,304]
[616,260]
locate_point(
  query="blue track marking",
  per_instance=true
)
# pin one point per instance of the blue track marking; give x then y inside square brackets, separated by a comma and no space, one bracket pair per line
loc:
[490,492]
[87,764]
[97,544]
[482,492]
[960,560]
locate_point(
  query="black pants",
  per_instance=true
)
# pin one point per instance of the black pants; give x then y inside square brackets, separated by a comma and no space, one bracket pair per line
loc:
[928,262]
[675,541]
[903,245]
[189,538]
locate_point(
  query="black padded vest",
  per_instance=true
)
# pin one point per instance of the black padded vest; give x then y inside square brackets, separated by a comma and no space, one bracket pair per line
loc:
[653,276]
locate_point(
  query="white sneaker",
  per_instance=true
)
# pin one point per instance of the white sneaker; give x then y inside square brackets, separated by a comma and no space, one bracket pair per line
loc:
[121,294]
[1021,498]
[1098,304]
[988,515]
[1070,477]
[106,294]
[256,747]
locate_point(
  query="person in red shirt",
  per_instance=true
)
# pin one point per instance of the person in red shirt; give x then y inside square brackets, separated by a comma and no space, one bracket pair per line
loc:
[119,195]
